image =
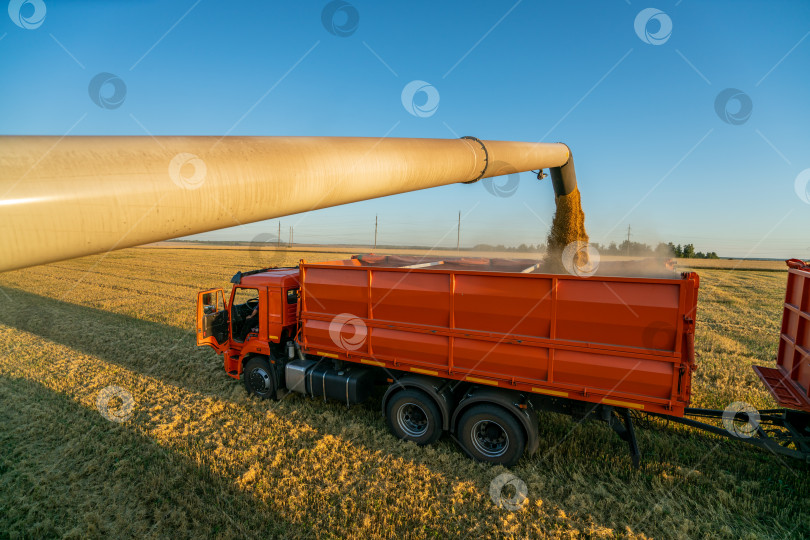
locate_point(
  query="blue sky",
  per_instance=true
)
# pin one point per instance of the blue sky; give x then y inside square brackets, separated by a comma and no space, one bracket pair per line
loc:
[637,109]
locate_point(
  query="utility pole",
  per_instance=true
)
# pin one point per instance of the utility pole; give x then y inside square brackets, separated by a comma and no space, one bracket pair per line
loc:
[458,237]
[278,238]
[375,233]
[289,244]
[628,240]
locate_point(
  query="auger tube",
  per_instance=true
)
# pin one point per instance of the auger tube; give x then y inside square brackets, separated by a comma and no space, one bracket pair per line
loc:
[65,197]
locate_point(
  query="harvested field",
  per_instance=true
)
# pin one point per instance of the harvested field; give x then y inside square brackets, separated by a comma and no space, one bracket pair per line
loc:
[733,264]
[197,457]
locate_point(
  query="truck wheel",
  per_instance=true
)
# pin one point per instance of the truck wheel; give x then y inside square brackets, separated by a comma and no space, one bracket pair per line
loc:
[412,416]
[258,378]
[491,434]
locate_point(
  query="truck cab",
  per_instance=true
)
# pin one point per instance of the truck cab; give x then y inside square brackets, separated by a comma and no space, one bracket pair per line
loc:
[226,326]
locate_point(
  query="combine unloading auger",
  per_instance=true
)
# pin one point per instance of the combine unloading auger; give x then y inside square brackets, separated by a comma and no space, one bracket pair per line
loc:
[65,197]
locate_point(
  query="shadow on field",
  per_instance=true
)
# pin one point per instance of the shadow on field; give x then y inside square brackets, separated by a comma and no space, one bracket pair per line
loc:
[157,350]
[65,471]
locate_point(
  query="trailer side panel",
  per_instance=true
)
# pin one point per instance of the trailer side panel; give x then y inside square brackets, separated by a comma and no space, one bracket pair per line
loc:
[620,341]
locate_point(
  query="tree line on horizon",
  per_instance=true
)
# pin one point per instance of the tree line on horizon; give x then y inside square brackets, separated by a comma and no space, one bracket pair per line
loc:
[667,250]
[633,249]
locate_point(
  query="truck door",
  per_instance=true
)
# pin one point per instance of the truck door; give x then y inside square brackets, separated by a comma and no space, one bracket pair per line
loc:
[212,319]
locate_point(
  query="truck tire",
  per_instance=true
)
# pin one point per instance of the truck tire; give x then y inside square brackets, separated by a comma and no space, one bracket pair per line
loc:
[412,416]
[258,378]
[491,434]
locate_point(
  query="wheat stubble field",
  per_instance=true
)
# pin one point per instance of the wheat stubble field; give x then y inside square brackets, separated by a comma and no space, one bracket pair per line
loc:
[198,458]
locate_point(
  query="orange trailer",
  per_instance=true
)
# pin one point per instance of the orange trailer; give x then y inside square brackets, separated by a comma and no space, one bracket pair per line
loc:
[789,381]
[614,340]
[474,346]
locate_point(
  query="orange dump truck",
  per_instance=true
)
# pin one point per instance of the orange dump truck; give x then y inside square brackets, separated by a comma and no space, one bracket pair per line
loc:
[472,347]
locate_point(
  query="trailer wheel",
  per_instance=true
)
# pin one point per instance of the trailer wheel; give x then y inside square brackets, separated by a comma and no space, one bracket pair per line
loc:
[412,416]
[491,434]
[258,378]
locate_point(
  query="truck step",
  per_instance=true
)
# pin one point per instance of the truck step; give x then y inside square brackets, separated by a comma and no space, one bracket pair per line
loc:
[782,389]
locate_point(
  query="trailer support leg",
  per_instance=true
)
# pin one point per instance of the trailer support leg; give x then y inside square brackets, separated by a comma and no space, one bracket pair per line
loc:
[624,430]
[631,438]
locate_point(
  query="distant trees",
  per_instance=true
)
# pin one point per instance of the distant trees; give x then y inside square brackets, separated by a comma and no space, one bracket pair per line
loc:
[664,250]
[688,252]
[632,249]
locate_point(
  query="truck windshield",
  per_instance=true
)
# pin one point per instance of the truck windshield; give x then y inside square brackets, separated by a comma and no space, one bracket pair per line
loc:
[242,296]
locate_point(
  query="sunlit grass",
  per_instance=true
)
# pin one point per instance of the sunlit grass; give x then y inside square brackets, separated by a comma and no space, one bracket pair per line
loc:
[200,458]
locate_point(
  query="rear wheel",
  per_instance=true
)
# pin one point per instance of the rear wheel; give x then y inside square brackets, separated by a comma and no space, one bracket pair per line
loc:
[491,434]
[413,416]
[258,378]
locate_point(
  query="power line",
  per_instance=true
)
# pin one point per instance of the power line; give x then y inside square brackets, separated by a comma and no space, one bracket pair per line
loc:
[458,238]
[628,240]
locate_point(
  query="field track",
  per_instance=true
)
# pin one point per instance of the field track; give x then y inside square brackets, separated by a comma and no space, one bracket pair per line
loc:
[198,458]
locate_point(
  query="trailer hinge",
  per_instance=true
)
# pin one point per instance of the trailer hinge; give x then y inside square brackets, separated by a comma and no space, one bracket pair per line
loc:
[689,323]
